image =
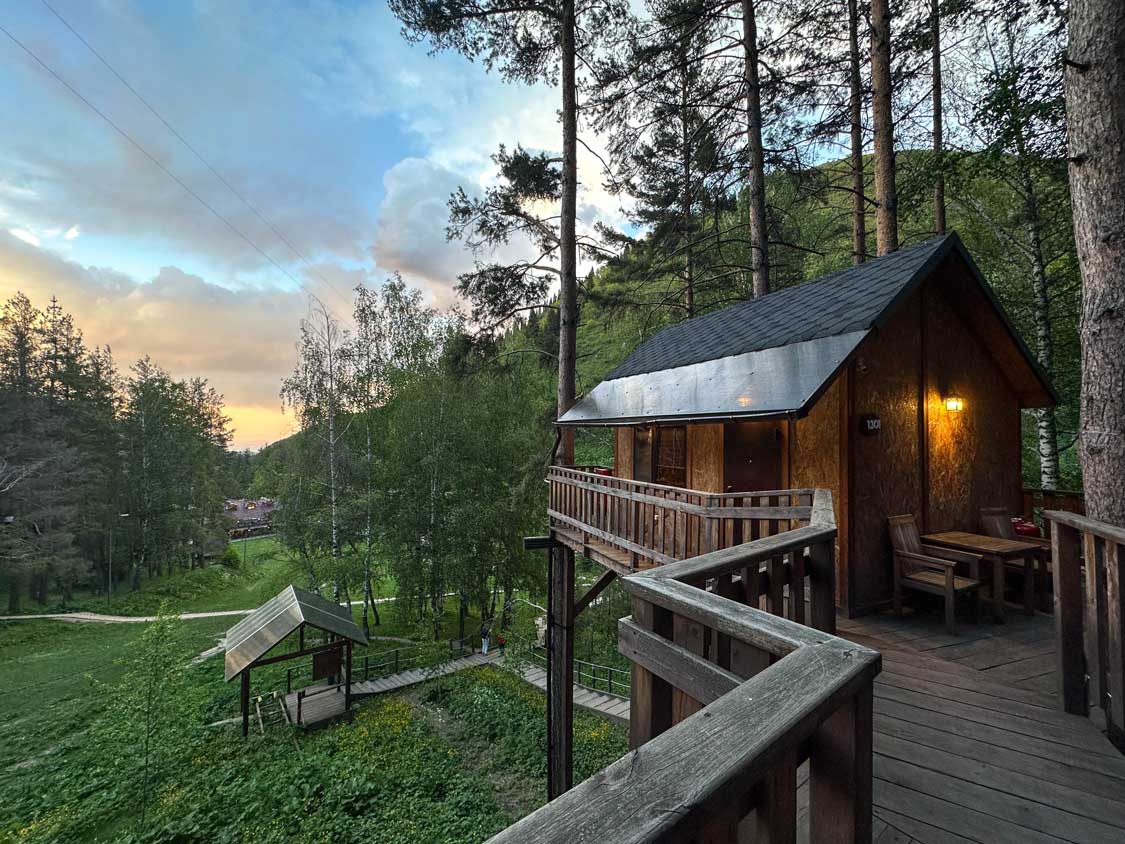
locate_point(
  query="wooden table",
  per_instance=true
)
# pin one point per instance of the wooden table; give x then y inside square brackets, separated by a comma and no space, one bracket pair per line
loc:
[1000,553]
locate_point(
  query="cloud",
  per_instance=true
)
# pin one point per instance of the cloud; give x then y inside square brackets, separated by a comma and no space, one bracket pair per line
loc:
[25,236]
[241,340]
[72,233]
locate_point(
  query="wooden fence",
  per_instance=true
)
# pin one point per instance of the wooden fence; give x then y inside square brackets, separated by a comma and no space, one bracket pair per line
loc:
[661,524]
[728,700]
[1089,572]
[1036,501]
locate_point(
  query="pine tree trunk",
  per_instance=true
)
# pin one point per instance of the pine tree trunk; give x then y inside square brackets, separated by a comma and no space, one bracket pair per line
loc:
[855,115]
[686,200]
[1096,128]
[886,201]
[568,247]
[756,176]
[939,154]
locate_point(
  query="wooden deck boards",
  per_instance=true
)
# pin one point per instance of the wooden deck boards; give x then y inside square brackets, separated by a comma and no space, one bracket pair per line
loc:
[968,754]
[969,745]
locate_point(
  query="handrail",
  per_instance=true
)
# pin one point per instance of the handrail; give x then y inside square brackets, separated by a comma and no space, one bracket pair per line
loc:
[1089,588]
[585,668]
[728,700]
[659,524]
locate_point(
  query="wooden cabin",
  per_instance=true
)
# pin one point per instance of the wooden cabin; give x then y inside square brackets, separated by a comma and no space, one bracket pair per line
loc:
[896,384]
[759,451]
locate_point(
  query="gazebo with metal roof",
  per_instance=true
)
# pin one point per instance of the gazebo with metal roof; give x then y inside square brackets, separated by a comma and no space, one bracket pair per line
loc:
[248,643]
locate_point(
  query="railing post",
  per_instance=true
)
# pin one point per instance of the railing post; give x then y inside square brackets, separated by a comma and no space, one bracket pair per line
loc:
[650,697]
[1114,560]
[1068,619]
[840,775]
[777,804]
[822,583]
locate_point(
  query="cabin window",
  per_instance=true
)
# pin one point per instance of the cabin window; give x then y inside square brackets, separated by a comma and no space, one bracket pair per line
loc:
[671,456]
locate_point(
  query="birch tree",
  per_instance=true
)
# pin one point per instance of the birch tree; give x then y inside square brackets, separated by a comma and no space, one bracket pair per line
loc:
[318,394]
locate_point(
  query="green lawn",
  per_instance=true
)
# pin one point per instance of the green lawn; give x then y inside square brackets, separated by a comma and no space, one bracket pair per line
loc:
[454,761]
[266,569]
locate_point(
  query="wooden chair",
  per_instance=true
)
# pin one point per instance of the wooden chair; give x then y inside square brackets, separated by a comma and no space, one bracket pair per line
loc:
[928,568]
[997,521]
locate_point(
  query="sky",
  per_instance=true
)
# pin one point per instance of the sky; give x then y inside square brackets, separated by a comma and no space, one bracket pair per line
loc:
[344,137]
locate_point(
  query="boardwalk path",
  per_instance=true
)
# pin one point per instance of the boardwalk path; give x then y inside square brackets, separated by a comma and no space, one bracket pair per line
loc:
[611,706]
[394,682]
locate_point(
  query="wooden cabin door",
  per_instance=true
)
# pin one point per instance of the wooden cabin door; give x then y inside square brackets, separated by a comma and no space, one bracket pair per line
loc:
[642,455]
[751,456]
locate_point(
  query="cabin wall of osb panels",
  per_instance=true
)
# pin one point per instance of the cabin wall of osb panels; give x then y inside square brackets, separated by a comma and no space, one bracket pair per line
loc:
[974,455]
[705,457]
[886,476]
[815,451]
[623,452]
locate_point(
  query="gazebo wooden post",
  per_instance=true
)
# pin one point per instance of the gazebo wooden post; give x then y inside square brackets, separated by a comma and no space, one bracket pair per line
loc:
[246,703]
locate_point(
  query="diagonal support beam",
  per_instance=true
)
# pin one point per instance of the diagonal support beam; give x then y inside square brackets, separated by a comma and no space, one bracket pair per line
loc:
[608,576]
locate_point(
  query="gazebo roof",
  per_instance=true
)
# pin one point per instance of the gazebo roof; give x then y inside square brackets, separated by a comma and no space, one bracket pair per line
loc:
[250,639]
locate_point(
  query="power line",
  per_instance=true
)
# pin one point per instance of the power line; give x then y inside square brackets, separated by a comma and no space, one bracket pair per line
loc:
[194,151]
[155,161]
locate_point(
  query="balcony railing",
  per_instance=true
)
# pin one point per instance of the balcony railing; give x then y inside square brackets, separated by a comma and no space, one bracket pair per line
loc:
[652,523]
[1089,586]
[728,700]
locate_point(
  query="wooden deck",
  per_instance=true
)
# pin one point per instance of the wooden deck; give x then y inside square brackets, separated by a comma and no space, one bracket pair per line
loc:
[969,742]
[317,708]
[969,745]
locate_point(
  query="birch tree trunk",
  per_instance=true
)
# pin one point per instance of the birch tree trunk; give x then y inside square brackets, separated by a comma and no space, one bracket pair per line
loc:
[1095,79]
[756,176]
[855,112]
[886,200]
[939,156]
[568,246]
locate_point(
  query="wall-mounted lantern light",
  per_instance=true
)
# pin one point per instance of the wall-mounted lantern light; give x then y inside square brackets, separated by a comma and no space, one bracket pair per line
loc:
[954,404]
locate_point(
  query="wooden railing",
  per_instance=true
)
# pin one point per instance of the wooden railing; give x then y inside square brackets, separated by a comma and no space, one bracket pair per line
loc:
[1089,574]
[661,523]
[727,702]
[1036,501]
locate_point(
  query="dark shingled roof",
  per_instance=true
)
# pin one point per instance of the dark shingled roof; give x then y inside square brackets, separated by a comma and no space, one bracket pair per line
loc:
[838,303]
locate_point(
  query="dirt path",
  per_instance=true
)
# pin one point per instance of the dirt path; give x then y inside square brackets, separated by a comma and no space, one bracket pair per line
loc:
[101,618]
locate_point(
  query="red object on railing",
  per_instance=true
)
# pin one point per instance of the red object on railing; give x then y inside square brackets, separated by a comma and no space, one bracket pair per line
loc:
[1024,527]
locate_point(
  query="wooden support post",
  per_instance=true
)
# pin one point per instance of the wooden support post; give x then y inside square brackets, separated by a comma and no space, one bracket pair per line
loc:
[246,703]
[650,697]
[840,775]
[1068,620]
[560,671]
[1093,624]
[822,585]
[1114,560]
[777,809]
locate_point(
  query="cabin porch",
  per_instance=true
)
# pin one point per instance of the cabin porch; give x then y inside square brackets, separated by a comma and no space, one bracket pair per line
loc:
[750,726]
